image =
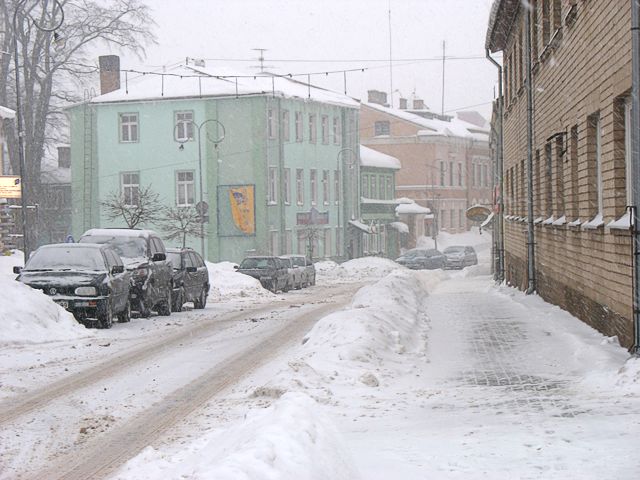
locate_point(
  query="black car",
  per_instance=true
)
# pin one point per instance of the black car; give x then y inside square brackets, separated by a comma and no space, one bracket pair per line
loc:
[271,271]
[86,279]
[190,278]
[419,258]
[143,254]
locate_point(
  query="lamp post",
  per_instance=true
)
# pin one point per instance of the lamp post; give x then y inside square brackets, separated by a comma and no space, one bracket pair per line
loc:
[216,141]
[350,163]
[21,153]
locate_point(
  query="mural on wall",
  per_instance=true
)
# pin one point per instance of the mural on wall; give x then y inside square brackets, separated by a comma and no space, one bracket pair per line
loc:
[236,210]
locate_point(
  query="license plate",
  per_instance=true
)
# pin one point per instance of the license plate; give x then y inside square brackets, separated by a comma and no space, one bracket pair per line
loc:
[82,303]
[133,295]
[63,303]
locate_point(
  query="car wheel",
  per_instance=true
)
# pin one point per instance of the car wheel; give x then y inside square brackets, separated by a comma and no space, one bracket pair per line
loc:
[164,307]
[313,280]
[105,319]
[178,301]
[299,286]
[286,287]
[201,301]
[143,310]
[272,286]
[125,315]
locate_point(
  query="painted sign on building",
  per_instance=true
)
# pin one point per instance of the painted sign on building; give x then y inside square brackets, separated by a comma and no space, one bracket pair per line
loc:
[10,186]
[236,210]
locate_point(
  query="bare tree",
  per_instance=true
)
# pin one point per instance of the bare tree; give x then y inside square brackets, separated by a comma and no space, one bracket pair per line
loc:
[145,208]
[312,235]
[180,223]
[53,65]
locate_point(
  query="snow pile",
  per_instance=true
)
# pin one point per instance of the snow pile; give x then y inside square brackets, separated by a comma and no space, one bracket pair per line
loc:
[290,440]
[629,374]
[364,344]
[359,269]
[29,316]
[471,238]
[225,282]
[7,262]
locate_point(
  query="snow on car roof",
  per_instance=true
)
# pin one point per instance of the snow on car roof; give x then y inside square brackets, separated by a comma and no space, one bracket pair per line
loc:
[119,232]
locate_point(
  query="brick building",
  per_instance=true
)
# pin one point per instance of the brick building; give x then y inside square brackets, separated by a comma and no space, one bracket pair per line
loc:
[446,162]
[581,81]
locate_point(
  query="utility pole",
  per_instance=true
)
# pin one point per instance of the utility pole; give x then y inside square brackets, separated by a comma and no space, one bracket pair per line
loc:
[260,58]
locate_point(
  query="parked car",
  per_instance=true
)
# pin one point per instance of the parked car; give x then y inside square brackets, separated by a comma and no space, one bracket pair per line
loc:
[296,274]
[271,271]
[460,256]
[190,278]
[419,258]
[306,265]
[144,255]
[88,280]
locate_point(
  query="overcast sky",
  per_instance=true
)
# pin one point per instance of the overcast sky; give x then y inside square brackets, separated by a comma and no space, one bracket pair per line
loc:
[329,31]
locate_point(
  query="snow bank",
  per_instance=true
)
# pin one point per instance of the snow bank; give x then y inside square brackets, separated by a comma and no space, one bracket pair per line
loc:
[29,316]
[225,282]
[472,238]
[359,269]
[290,440]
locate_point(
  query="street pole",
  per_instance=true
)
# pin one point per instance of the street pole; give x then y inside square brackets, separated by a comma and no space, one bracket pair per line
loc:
[635,158]
[21,152]
[343,195]
[531,262]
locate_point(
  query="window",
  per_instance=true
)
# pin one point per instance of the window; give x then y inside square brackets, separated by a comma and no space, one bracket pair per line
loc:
[390,194]
[451,173]
[382,128]
[273,242]
[185,188]
[573,146]
[459,174]
[373,191]
[300,186]
[336,186]
[184,126]
[324,126]
[485,178]
[312,129]
[287,186]
[272,192]
[628,162]
[442,174]
[313,177]
[597,136]
[365,186]
[130,187]
[452,216]
[337,131]
[534,29]
[285,126]
[546,21]
[129,127]
[443,216]
[325,187]
[559,177]
[299,137]
[271,123]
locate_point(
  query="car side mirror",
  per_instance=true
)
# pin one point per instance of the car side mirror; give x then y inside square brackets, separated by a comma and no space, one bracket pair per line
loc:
[117,269]
[158,257]
[17,270]
[236,267]
[192,269]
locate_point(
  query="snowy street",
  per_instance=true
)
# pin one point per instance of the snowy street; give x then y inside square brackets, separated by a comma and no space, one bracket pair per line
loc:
[378,372]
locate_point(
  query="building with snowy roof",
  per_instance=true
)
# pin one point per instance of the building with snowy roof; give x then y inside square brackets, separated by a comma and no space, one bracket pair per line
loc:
[446,161]
[269,171]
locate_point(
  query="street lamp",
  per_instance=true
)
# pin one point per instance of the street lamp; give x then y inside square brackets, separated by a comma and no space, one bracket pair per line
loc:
[21,154]
[350,163]
[215,141]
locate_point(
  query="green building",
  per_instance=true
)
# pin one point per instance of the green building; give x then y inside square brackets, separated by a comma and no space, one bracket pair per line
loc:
[276,158]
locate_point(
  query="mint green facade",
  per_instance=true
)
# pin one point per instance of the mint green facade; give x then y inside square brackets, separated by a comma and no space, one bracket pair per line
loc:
[255,151]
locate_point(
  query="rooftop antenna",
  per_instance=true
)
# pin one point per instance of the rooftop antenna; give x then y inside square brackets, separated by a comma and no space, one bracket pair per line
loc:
[261,59]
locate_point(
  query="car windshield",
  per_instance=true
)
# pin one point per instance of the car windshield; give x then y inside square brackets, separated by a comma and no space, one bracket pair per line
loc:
[455,249]
[298,261]
[66,258]
[249,263]
[174,258]
[128,247]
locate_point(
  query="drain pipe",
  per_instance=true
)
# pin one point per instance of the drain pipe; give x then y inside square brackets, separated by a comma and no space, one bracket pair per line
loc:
[499,175]
[531,262]
[635,152]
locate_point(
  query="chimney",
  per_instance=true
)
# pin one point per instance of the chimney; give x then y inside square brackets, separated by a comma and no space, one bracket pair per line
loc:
[403,103]
[378,97]
[418,104]
[109,73]
[64,157]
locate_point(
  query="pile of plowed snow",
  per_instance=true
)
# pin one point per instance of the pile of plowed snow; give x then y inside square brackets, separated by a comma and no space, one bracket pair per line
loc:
[226,282]
[358,269]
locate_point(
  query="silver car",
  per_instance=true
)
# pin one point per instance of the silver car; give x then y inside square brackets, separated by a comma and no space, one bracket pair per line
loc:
[304,265]
[459,256]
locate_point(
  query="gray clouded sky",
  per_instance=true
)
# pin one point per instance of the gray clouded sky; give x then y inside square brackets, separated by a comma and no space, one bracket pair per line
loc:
[326,31]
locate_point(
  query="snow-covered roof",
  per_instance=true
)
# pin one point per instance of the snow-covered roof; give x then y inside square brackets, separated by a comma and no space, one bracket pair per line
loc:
[372,158]
[187,81]
[6,112]
[400,227]
[436,127]
[119,232]
[412,208]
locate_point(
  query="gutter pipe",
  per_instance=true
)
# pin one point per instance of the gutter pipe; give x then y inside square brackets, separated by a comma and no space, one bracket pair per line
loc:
[531,265]
[635,152]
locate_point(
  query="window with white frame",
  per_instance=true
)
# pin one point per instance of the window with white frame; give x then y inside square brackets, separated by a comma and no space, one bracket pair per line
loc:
[129,127]
[300,186]
[184,126]
[627,150]
[185,188]
[381,188]
[287,185]
[337,131]
[271,123]
[365,186]
[130,187]
[390,194]
[442,173]
[313,181]
[299,130]
[325,187]
[373,191]
[336,186]
[324,127]
[312,128]
[382,128]
[473,174]
[451,173]
[272,191]
[285,126]
[597,130]
[459,174]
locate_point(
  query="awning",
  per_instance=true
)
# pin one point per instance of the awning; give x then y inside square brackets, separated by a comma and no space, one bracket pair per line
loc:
[360,226]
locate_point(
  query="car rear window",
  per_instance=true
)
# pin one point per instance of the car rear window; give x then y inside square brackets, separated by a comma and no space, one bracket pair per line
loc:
[128,247]
[81,259]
